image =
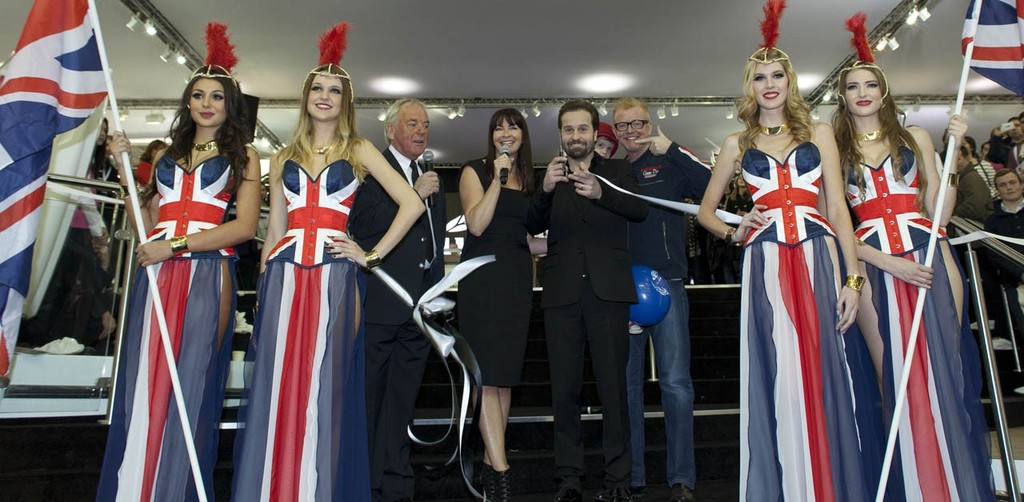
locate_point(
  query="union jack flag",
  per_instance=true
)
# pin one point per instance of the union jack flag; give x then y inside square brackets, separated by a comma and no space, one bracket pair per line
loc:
[998,46]
[52,84]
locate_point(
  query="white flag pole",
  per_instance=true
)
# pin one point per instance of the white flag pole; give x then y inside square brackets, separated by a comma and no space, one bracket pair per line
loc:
[154,291]
[915,326]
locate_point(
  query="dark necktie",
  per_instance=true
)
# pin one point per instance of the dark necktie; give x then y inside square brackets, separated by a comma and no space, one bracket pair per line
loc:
[415,173]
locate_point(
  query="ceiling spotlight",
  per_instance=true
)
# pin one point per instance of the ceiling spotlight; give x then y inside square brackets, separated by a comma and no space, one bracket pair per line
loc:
[155,118]
[536,109]
[462,109]
[522,111]
[180,58]
[123,114]
[382,115]
[603,109]
[923,14]
[917,105]
[150,29]
[881,44]
[674,110]
[133,22]
[262,143]
[452,113]
[166,55]
[661,113]
[827,97]
[912,17]
[893,44]
[814,115]
[731,114]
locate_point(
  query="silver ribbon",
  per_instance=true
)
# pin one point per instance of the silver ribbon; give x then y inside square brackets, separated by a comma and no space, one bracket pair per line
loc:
[448,344]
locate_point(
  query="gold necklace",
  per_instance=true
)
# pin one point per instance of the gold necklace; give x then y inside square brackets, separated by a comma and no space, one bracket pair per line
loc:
[323,150]
[205,147]
[869,136]
[774,130]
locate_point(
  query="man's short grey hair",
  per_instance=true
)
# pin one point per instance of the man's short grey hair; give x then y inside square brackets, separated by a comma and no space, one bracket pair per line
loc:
[391,117]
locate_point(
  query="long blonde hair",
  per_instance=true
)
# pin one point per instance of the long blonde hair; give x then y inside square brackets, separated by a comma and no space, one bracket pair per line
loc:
[300,148]
[797,113]
[893,133]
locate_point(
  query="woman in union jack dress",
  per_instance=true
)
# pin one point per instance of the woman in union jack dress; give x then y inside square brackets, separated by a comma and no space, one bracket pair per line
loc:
[207,167]
[892,188]
[304,435]
[799,433]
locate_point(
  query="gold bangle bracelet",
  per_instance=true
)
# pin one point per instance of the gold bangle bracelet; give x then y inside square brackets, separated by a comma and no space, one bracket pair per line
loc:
[372,259]
[954,179]
[855,282]
[179,244]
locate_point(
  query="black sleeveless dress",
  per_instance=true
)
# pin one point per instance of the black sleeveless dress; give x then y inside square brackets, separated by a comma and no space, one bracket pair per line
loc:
[494,301]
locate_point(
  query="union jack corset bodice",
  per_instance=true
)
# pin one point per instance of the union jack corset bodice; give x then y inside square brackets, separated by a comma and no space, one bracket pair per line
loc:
[192,201]
[886,209]
[790,190]
[317,210]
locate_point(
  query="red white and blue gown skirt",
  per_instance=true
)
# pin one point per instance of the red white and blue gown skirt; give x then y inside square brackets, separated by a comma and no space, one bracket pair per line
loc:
[943,446]
[304,435]
[145,458]
[799,433]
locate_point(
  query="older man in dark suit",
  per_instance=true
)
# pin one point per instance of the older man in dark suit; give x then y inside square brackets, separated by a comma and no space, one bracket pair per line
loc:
[588,287]
[396,349]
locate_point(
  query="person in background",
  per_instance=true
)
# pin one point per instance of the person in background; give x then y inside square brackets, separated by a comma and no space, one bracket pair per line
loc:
[973,199]
[607,143]
[1008,219]
[145,167]
[665,170]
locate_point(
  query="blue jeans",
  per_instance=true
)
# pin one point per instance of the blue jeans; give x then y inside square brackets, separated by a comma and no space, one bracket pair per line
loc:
[672,355]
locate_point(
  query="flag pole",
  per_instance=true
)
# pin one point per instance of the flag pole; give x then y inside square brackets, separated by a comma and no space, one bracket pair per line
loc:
[915,326]
[154,291]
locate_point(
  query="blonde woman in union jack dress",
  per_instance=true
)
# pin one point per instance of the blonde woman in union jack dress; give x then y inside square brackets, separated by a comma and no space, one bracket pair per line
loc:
[305,432]
[799,434]
[892,187]
[184,208]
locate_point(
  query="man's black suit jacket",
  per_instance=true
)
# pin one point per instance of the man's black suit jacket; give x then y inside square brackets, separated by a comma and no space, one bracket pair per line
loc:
[588,236]
[371,215]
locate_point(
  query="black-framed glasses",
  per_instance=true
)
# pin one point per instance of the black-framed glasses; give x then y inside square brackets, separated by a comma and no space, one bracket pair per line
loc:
[636,124]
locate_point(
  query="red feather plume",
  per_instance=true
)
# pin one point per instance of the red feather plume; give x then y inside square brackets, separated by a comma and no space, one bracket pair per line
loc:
[856,25]
[219,49]
[770,25]
[333,44]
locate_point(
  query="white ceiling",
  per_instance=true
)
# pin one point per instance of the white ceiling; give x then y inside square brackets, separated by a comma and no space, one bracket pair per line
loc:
[528,49]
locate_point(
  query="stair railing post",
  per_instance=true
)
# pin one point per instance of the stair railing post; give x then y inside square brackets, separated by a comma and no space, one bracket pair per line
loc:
[994,388]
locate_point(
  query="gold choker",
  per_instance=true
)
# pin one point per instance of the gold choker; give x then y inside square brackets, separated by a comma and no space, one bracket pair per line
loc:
[869,136]
[774,130]
[322,150]
[205,147]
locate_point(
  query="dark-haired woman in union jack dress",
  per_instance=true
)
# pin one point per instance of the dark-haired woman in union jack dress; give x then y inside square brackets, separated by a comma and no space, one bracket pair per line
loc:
[893,183]
[304,435]
[184,210]
[800,368]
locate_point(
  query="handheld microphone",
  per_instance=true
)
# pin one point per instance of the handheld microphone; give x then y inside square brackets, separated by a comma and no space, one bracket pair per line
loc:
[503,174]
[428,165]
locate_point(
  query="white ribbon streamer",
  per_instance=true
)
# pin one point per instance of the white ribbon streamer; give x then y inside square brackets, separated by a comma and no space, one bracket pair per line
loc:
[678,206]
[81,196]
[445,344]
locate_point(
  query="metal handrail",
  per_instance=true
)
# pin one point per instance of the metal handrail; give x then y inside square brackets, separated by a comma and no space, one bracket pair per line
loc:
[987,352]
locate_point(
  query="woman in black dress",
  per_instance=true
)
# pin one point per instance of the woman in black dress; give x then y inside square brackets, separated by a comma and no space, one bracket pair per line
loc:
[495,301]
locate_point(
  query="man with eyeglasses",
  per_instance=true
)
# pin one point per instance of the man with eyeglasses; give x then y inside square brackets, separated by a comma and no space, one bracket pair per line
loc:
[665,170]
[588,288]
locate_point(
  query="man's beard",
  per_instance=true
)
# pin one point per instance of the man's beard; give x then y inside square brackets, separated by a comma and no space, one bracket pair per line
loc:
[579,151]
